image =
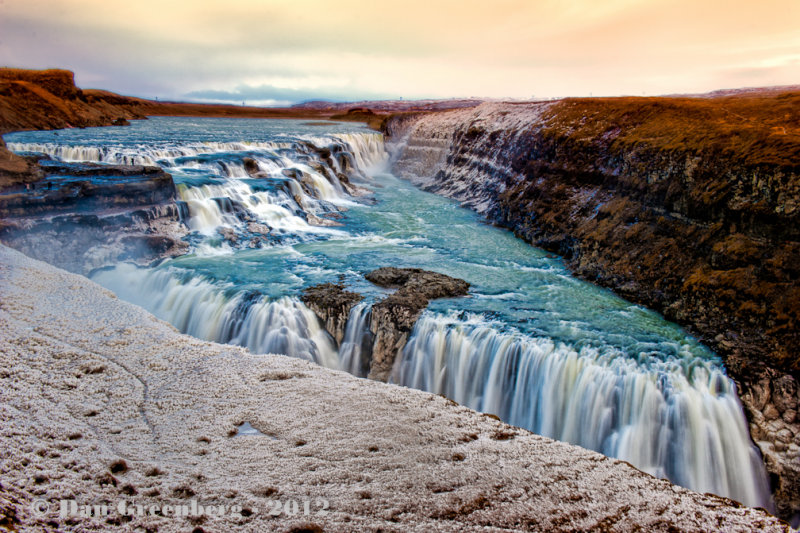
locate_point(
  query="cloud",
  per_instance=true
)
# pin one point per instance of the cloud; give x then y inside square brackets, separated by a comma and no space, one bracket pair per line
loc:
[271,96]
[277,51]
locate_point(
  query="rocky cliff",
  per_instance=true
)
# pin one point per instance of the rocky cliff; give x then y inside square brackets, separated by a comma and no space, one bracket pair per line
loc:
[689,206]
[49,99]
[83,216]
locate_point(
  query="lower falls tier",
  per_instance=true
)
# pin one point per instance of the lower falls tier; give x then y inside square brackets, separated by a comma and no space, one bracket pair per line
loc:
[676,417]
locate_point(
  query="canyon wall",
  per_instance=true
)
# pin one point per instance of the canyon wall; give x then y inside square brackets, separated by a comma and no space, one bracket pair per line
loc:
[49,99]
[689,206]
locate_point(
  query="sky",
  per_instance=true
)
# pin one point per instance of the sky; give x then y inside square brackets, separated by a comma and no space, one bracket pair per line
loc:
[270,52]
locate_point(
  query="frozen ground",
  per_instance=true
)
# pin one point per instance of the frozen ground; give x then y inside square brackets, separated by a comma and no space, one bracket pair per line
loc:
[101,403]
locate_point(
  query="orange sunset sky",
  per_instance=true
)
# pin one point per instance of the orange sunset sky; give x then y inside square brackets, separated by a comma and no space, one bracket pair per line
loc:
[279,52]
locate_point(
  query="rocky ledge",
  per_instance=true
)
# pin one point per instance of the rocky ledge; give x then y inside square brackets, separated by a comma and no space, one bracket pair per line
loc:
[114,407]
[392,318]
[83,216]
[690,206]
[332,304]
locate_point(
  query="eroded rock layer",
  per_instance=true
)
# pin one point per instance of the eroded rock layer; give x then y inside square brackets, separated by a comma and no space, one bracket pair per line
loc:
[690,206]
[82,216]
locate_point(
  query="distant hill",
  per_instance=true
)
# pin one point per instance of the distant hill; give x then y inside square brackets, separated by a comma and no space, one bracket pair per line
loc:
[393,106]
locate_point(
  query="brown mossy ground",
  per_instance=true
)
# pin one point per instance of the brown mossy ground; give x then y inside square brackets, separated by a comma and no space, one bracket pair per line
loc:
[362,114]
[748,129]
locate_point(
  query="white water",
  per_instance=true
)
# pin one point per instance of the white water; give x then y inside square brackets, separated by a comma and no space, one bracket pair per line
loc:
[203,310]
[309,191]
[355,352]
[276,210]
[140,154]
[684,426]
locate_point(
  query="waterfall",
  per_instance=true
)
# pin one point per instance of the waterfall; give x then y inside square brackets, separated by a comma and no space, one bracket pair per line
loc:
[674,418]
[294,182]
[355,353]
[207,311]
[301,184]
[141,154]
[367,149]
[214,205]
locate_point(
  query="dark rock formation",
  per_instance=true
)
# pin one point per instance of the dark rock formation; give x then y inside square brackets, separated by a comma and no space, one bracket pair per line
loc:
[690,206]
[252,168]
[332,304]
[88,187]
[84,216]
[394,317]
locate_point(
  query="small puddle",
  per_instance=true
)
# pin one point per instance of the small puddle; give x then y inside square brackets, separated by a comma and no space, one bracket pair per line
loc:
[246,430]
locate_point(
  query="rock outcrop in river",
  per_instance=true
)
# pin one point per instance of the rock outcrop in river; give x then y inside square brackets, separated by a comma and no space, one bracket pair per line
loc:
[392,318]
[690,206]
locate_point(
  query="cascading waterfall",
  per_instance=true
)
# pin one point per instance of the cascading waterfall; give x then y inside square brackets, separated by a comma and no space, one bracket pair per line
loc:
[674,418]
[208,312]
[219,313]
[140,154]
[213,205]
[368,150]
[293,186]
[355,352]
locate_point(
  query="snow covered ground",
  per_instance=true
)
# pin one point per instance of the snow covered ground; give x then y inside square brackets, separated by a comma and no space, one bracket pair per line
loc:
[101,404]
